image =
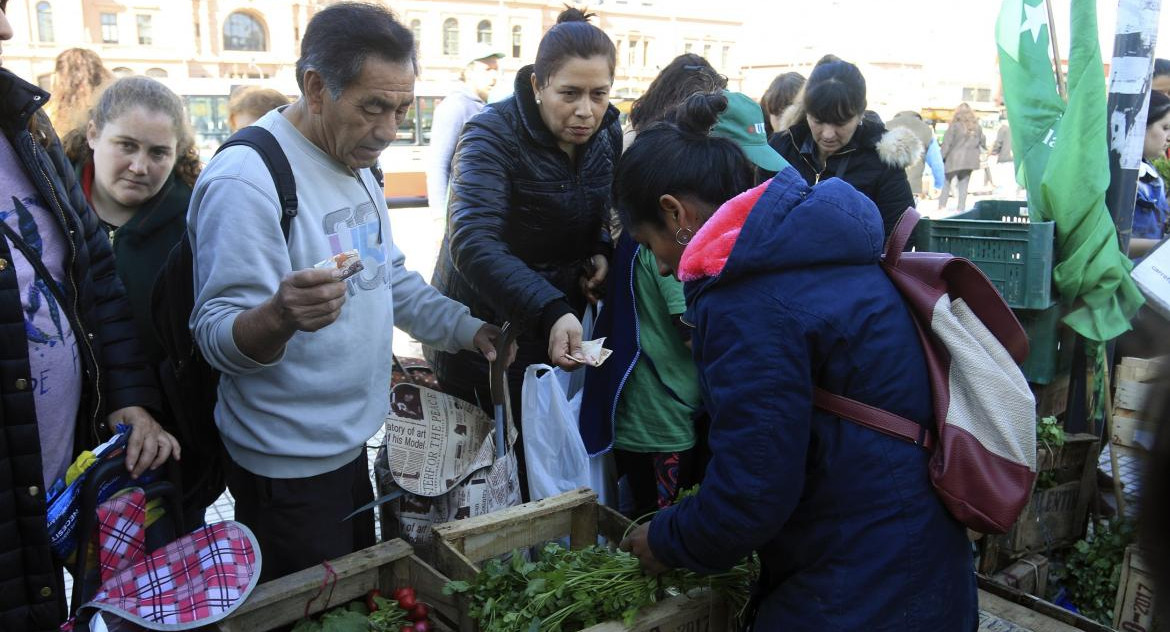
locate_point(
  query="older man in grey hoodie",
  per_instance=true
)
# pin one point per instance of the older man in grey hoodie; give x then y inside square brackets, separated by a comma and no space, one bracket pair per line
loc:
[305,354]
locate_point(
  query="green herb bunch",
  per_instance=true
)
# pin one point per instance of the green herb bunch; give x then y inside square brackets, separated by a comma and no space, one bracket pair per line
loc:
[1092,568]
[565,590]
[1050,436]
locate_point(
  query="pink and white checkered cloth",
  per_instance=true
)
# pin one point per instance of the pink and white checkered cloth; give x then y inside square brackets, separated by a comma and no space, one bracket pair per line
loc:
[194,581]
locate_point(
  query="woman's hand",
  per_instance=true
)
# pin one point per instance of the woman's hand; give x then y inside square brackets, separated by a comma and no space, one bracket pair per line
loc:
[564,339]
[593,281]
[149,445]
[638,543]
[487,340]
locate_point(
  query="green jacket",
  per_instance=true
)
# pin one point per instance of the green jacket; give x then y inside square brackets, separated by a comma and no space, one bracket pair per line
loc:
[141,246]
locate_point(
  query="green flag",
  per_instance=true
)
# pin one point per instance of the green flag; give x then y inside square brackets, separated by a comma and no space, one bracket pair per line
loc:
[1063,161]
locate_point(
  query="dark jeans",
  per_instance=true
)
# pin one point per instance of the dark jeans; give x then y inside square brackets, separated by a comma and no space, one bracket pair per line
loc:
[299,522]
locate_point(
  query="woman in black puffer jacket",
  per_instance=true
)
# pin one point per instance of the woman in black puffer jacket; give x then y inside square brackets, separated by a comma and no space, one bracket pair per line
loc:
[828,133]
[529,201]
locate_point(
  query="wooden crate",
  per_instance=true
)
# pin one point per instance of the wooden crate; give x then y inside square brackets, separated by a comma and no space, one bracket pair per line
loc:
[1054,517]
[385,566]
[1134,611]
[1006,609]
[462,545]
[1029,574]
[1052,398]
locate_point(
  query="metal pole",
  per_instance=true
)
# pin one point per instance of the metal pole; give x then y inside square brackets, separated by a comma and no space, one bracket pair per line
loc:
[1061,88]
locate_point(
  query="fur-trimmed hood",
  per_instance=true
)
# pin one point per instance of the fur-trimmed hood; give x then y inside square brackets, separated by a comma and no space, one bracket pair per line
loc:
[897,147]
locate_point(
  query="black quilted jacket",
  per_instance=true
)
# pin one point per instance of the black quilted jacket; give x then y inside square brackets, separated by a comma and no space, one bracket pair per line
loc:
[522,218]
[115,372]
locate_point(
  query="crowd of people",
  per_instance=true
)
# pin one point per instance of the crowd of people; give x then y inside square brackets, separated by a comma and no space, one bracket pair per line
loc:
[735,243]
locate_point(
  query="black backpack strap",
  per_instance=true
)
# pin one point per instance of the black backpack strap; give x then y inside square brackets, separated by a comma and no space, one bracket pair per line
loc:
[264,143]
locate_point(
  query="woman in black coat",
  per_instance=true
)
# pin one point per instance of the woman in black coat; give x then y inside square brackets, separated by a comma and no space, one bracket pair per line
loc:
[828,133]
[527,238]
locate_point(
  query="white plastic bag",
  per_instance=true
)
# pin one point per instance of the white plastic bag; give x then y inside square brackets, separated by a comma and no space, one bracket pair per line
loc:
[554,454]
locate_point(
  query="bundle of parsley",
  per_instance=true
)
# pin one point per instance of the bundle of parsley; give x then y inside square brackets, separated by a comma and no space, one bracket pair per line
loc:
[565,590]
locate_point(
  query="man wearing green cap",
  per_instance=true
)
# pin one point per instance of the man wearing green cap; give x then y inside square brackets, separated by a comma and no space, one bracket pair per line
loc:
[650,383]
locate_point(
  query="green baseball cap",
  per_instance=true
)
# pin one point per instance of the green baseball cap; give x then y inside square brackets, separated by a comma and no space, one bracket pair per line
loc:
[743,122]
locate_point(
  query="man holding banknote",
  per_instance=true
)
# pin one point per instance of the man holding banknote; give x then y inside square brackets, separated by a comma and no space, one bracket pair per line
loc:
[305,351]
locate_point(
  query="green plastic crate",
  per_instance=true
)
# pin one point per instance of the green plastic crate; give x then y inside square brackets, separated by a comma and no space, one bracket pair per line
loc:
[998,236]
[1049,344]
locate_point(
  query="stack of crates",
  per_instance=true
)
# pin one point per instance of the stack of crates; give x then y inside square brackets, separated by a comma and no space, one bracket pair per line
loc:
[1016,253]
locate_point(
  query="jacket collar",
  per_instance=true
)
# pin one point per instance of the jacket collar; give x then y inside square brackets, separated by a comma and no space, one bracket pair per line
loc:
[530,113]
[19,101]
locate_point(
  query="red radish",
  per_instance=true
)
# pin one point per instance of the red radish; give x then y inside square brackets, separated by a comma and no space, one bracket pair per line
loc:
[421,626]
[406,628]
[372,605]
[419,612]
[406,601]
[399,593]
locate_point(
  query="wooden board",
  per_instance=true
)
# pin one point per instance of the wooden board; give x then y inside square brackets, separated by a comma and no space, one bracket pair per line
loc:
[384,566]
[1131,395]
[1130,431]
[1141,369]
[462,545]
[1029,612]
[1052,398]
[1134,610]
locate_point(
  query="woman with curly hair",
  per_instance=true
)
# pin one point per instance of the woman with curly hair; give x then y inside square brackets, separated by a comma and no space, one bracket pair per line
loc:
[961,147]
[78,75]
[136,160]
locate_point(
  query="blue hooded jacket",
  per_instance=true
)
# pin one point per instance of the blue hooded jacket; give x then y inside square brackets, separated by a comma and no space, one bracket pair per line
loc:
[785,293]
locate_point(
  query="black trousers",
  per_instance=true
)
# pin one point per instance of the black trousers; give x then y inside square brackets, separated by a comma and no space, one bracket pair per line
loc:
[299,522]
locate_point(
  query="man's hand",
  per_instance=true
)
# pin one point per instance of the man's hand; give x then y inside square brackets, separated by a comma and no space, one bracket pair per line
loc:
[149,446]
[593,281]
[564,339]
[308,300]
[638,543]
[486,340]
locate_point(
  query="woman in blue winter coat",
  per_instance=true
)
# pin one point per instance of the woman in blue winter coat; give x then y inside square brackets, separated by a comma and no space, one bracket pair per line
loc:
[785,292]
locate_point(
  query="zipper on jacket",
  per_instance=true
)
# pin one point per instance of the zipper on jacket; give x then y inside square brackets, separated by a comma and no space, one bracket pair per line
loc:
[78,330]
[816,174]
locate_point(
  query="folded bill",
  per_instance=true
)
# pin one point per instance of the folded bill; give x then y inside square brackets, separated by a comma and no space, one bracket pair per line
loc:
[349,262]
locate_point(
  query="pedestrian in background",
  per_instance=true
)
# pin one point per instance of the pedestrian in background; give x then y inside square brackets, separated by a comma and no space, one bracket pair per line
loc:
[78,74]
[779,96]
[929,157]
[248,103]
[962,146]
[479,75]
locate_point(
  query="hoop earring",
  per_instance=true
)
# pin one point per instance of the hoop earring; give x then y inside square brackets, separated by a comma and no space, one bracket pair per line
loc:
[681,239]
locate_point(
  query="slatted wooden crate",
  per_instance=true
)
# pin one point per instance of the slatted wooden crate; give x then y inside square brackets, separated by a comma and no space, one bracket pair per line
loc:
[384,566]
[462,545]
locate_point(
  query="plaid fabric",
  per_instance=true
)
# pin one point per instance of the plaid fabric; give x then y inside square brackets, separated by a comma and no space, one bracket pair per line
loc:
[194,581]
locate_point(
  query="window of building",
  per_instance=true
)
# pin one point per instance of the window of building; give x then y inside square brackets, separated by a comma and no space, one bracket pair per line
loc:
[707,52]
[483,32]
[122,71]
[145,30]
[416,30]
[450,36]
[157,73]
[516,37]
[725,64]
[689,47]
[242,31]
[645,52]
[976,94]
[109,28]
[45,22]
[632,53]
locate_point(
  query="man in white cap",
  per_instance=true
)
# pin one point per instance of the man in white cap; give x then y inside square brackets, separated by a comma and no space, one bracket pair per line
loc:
[478,77]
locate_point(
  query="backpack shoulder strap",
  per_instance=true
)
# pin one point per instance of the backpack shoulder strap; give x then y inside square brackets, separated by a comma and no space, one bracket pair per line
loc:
[872,417]
[264,143]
